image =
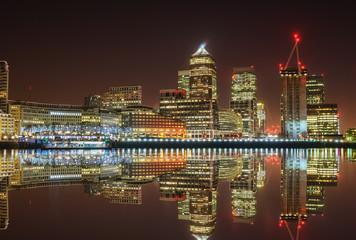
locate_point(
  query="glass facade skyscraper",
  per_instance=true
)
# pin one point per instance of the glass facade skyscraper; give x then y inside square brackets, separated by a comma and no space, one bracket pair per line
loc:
[243,98]
[293,103]
[202,82]
[4,85]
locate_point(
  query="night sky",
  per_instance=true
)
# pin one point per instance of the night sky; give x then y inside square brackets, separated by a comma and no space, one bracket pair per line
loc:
[68,50]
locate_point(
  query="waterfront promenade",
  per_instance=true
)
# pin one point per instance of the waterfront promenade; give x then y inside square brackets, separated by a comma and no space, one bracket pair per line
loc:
[217,143]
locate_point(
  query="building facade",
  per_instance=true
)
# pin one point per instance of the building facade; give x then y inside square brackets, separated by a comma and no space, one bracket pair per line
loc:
[261,119]
[201,116]
[7,126]
[351,134]
[293,103]
[230,123]
[4,85]
[121,97]
[315,89]
[93,100]
[202,82]
[153,125]
[243,98]
[183,81]
[323,120]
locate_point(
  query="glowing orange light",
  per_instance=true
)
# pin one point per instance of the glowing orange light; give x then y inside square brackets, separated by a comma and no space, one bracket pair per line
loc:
[299,227]
[295,35]
[303,222]
[233,213]
[233,77]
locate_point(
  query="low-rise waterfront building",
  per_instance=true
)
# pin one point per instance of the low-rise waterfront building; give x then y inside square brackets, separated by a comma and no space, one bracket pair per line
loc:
[122,97]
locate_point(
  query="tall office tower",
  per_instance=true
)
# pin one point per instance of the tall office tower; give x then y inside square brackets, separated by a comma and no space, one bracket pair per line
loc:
[293,103]
[183,81]
[315,89]
[261,118]
[294,185]
[202,82]
[122,97]
[243,98]
[202,208]
[323,120]
[4,85]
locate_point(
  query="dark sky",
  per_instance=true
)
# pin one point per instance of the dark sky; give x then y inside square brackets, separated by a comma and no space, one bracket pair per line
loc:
[68,50]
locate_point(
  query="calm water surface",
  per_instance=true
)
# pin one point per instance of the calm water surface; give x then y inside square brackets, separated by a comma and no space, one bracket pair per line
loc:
[178,194]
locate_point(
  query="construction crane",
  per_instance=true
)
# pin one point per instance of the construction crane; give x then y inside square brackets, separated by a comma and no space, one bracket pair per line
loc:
[296,50]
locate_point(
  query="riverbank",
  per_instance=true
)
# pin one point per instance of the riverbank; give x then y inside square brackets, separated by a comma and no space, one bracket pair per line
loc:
[158,143]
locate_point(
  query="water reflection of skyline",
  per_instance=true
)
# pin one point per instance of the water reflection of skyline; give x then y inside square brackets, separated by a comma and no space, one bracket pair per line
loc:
[188,176]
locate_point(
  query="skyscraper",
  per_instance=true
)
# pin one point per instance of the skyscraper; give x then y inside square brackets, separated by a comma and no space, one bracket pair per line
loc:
[197,105]
[315,89]
[243,98]
[293,103]
[322,118]
[4,85]
[202,82]
[261,118]
[183,81]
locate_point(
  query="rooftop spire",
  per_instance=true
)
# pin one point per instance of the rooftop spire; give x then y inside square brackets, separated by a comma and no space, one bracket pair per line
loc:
[201,50]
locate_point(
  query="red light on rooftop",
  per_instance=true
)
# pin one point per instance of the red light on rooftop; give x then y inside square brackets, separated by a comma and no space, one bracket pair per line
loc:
[303,222]
[233,77]
[303,67]
[295,35]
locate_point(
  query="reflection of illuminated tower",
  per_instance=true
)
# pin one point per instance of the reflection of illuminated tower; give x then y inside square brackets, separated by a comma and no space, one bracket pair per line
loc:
[243,190]
[123,193]
[293,185]
[195,189]
[322,170]
[315,199]
[202,206]
[202,83]
[4,204]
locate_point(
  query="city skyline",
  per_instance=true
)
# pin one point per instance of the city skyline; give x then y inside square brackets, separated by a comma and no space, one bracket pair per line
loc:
[66,59]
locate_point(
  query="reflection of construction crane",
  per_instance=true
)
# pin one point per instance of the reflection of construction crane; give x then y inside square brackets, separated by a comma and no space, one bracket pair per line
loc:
[299,226]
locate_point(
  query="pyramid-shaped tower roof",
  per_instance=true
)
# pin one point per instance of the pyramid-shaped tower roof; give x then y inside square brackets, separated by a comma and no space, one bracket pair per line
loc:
[201,51]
